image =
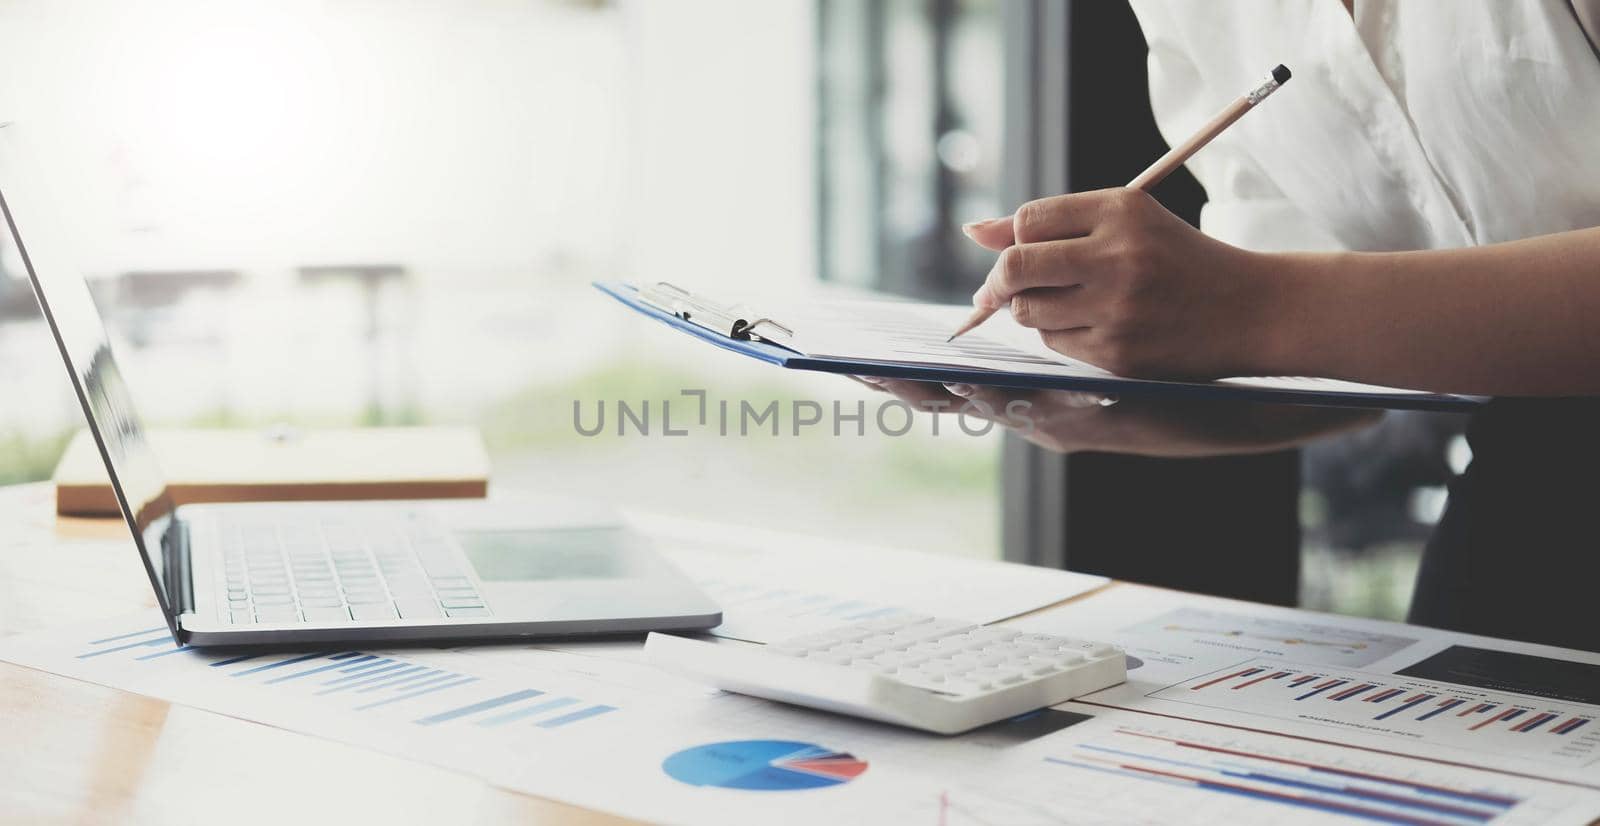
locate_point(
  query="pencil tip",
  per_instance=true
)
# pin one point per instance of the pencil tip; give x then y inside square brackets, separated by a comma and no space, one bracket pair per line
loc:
[951,338]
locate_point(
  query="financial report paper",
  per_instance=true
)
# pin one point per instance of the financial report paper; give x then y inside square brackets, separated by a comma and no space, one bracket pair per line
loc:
[577,724]
[916,333]
[1209,728]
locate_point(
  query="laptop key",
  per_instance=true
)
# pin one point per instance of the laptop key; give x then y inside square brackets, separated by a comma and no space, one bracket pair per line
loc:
[321,601]
[461,602]
[466,612]
[365,597]
[364,613]
[275,613]
[325,615]
[244,617]
[417,608]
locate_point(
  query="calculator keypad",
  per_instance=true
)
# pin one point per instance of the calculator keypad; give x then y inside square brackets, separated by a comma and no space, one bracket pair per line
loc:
[947,656]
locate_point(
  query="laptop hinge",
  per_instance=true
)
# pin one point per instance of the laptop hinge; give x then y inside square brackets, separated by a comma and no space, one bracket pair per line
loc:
[175,548]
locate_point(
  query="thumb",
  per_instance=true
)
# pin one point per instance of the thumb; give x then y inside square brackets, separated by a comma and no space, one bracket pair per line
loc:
[995,234]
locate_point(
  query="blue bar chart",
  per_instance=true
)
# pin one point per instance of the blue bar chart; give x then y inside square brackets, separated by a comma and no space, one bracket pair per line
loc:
[1298,782]
[360,682]
[1460,716]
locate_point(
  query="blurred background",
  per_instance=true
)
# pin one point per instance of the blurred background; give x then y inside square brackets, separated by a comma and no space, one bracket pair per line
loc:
[389,213]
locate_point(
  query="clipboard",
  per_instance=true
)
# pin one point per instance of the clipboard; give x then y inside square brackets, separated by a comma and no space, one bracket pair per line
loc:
[766,337]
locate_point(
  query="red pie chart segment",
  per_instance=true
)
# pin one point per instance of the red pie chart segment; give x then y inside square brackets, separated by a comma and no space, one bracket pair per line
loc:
[841,766]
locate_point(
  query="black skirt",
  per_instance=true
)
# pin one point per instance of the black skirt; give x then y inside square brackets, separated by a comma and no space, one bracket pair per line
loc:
[1517,553]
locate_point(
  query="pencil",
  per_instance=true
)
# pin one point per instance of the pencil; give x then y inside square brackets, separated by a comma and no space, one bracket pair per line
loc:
[1175,158]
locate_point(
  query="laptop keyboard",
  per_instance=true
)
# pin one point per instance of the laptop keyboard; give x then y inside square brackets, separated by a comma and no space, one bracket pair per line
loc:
[333,572]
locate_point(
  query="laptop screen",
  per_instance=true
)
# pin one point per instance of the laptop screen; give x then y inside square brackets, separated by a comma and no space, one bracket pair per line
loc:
[81,335]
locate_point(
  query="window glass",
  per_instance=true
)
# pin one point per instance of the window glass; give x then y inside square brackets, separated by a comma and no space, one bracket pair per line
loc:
[381,213]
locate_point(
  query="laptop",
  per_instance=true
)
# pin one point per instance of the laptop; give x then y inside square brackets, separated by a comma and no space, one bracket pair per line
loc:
[315,572]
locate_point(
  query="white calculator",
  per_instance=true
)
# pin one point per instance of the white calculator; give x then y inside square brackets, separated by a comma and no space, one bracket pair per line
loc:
[940,675]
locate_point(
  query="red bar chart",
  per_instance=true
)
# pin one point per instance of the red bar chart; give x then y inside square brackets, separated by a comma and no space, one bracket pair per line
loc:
[1440,713]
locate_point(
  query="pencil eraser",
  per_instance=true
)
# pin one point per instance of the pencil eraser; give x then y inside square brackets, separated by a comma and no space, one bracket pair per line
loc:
[1281,74]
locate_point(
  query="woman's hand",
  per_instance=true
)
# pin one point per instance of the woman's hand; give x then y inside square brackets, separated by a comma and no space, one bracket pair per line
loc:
[1069,422]
[1112,278]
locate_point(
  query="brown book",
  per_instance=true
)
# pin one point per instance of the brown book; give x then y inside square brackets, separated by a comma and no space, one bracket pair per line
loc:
[288,465]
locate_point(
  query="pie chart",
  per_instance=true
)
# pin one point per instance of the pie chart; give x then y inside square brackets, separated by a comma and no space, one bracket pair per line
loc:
[763,766]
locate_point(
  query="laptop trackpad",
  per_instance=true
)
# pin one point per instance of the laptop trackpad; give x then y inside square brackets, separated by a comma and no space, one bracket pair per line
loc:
[555,554]
[582,572]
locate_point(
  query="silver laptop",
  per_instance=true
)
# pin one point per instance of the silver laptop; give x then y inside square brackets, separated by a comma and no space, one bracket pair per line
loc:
[240,574]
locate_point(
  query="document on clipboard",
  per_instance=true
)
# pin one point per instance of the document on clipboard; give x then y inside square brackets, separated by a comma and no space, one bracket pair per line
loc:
[907,340]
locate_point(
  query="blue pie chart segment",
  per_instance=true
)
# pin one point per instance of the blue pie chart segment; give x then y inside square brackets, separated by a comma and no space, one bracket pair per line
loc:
[763,765]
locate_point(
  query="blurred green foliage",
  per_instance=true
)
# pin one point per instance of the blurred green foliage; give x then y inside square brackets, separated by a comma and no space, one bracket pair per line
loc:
[29,457]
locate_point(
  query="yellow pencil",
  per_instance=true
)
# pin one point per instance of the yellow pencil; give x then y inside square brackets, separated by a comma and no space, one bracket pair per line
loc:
[1175,158]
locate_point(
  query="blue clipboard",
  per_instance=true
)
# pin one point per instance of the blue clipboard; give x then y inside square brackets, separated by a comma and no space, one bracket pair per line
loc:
[771,353]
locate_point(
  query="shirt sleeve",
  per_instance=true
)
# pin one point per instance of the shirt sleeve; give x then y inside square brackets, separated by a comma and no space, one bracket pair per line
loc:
[1244,207]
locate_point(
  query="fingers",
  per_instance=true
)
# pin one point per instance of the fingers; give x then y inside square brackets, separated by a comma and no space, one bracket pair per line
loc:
[989,402]
[994,234]
[1070,343]
[997,398]
[919,394]
[1028,266]
[1048,219]
[1062,216]
[1052,308]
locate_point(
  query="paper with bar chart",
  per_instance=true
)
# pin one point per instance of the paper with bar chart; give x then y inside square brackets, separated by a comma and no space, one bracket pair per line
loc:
[1177,641]
[423,688]
[1122,769]
[1444,715]
[577,728]
[1173,636]
[1296,639]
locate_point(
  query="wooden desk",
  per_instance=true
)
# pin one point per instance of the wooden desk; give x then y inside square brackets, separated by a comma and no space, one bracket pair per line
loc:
[80,753]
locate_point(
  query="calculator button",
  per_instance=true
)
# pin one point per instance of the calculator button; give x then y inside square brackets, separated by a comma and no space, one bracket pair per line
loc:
[1091,649]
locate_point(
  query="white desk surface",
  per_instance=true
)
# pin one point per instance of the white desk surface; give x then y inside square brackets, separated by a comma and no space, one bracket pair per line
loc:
[84,753]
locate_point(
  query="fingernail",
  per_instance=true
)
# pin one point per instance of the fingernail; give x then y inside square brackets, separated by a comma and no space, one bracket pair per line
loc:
[962,390]
[1107,401]
[973,226]
[981,297]
[870,379]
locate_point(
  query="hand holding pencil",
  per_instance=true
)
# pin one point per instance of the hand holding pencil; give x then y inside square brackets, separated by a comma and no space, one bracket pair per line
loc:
[988,303]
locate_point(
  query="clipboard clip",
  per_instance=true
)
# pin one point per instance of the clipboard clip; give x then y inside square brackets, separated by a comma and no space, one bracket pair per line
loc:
[731,320]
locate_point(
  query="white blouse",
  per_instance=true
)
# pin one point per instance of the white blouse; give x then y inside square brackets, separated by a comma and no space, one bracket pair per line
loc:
[1419,124]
